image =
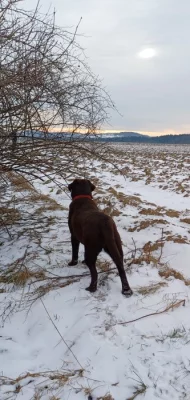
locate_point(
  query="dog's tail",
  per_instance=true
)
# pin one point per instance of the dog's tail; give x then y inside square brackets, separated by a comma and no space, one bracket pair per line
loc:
[113,242]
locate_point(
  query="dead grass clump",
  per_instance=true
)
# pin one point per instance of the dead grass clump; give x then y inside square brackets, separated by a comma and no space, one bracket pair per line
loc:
[8,216]
[112,212]
[180,188]
[53,284]
[148,172]
[138,390]
[150,211]
[147,258]
[151,289]
[60,379]
[176,239]
[145,224]
[41,197]
[19,182]
[149,246]
[124,199]
[133,201]
[170,272]
[186,220]
[107,396]
[19,275]
[172,213]
[103,266]
[50,207]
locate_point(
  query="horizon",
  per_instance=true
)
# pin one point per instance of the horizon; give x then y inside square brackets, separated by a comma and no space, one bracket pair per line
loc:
[116,131]
[144,133]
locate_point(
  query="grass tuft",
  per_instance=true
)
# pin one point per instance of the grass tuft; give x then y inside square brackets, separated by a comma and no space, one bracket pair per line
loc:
[151,289]
[170,272]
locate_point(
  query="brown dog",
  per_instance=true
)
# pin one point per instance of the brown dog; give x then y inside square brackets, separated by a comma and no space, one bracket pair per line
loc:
[95,230]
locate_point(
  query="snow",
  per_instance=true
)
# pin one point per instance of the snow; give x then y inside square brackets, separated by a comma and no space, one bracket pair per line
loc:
[69,329]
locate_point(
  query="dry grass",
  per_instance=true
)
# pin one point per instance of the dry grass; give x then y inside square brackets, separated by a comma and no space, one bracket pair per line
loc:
[41,197]
[176,239]
[54,377]
[107,396]
[150,211]
[185,220]
[37,395]
[9,216]
[150,247]
[112,212]
[49,285]
[170,272]
[160,211]
[172,213]
[103,266]
[146,223]
[139,390]
[124,199]
[147,258]
[53,206]
[108,207]
[151,289]
[19,182]
[19,275]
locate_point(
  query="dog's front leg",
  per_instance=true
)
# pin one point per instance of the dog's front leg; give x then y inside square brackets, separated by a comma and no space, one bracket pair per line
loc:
[84,261]
[75,251]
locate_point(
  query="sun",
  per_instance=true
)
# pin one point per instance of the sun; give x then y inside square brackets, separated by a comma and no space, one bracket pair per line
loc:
[147,53]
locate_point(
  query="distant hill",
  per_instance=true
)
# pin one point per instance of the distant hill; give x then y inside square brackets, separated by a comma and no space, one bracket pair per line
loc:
[121,137]
[133,137]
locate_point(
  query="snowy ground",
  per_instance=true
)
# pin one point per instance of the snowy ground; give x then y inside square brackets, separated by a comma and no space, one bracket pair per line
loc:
[57,341]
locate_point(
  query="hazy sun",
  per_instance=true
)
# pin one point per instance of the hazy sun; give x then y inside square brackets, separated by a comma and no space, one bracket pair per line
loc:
[147,53]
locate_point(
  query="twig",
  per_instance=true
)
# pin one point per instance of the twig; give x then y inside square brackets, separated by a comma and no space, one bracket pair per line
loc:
[175,305]
[61,336]
[162,245]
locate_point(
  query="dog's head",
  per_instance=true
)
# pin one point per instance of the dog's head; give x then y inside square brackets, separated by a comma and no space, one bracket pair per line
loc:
[81,186]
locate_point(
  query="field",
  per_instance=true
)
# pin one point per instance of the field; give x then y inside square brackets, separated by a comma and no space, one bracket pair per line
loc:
[59,342]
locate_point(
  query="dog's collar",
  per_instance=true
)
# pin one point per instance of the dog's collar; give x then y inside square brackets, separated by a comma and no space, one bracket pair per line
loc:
[82,196]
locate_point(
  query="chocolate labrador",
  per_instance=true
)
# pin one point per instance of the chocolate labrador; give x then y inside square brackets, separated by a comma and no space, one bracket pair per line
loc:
[96,231]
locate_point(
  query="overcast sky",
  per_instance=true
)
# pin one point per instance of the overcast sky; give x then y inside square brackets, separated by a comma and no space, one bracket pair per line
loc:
[141,49]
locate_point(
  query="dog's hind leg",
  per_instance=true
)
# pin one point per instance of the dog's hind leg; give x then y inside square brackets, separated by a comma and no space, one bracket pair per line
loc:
[114,249]
[90,260]
[75,251]
[118,243]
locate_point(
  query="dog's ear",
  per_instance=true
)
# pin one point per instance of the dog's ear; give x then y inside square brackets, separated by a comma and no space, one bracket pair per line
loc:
[92,187]
[70,186]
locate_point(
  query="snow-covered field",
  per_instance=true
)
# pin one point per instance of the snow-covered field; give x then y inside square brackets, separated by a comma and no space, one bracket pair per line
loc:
[58,341]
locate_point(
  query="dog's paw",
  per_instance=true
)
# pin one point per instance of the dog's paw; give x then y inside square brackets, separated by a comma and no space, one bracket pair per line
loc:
[127,292]
[91,288]
[73,262]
